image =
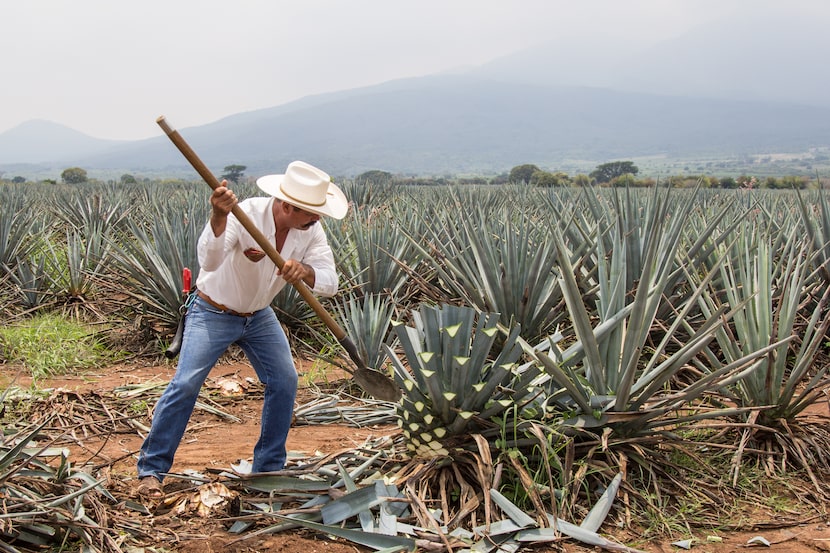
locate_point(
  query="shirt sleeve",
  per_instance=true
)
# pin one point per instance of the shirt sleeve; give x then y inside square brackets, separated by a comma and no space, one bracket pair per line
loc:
[212,249]
[319,256]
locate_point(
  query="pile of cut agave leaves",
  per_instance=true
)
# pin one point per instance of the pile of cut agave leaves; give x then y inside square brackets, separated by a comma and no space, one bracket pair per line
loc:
[352,495]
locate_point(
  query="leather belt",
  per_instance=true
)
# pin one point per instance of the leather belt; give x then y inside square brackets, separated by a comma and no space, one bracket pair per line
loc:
[221,307]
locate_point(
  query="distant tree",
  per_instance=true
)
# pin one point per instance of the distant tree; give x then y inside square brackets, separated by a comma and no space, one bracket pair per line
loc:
[523,173]
[792,182]
[546,179]
[127,178]
[582,180]
[607,172]
[19,180]
[73,175]
[233,172]
[375,177]
[624,180]
[728,182]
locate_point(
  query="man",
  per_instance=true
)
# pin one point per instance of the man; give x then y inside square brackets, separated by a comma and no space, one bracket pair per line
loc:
[235,287]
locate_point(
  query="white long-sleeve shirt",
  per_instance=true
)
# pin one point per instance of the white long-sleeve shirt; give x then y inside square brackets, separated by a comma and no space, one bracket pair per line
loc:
[230,278]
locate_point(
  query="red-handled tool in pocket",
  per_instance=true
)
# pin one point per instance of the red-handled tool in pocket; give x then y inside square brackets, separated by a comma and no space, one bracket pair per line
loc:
[186,282]
[176,344]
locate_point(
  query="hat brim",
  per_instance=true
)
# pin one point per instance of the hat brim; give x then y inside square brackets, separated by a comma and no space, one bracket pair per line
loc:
[336,205]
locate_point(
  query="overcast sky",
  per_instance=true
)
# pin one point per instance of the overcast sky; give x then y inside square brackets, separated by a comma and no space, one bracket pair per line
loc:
[109,68]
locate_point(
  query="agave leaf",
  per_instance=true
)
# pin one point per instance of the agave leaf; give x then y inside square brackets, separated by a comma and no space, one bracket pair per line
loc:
[579,315]
[572,531]
[596,516]
[387,521]
[367,522]
[375,541]
[357,472]
[518,516]
[354,503]
[14,453]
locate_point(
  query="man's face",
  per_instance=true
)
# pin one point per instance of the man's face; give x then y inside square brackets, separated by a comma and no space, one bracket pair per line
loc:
[302,219]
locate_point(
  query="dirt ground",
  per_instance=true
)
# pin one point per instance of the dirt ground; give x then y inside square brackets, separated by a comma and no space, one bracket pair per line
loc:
[213,443]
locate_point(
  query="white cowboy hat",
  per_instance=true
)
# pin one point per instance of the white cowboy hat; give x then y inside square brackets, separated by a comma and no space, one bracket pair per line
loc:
[308,188]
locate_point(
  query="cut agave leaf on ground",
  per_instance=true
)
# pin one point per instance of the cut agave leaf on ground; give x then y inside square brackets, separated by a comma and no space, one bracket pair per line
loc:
[375,541]
[596,516]
[575,532]
[522,519]
[354,503]
[387,521]
[498,528]
[367,521]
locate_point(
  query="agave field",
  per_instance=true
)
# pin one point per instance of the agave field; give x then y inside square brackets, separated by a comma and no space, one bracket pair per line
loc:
[561,351]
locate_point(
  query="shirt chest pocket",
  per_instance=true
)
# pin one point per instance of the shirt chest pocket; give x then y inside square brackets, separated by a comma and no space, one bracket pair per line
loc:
[253,252]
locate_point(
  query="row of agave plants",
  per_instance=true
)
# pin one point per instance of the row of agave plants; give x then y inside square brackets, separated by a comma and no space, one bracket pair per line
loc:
[580,332]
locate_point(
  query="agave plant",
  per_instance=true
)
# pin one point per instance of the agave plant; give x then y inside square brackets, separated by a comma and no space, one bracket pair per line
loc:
[770,282]
[18,224]
[93,214]
[457,381]
[618,363]
[367,321]
[816,221]
[34,282]
[77,265]
[498,261]
[152,260]
[371,252]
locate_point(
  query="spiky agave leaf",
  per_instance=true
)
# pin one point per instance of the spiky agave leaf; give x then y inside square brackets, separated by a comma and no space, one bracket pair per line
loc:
[19,223]
[370,251]
[770,283]
[368,322]
[151,257]
[496,257]
[608,371]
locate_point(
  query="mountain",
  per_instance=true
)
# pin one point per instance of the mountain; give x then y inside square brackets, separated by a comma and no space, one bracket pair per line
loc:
[560,105]
[38,141]
[464,124]
[774,55]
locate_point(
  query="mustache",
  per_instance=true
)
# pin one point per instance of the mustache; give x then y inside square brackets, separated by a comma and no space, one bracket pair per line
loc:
[309,225]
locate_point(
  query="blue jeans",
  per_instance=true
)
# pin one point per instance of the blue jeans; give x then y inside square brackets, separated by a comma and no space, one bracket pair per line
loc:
[207,334]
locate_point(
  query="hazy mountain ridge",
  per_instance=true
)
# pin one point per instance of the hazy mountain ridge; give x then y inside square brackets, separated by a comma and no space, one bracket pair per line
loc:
[462,124]
[39,141]
[547,105]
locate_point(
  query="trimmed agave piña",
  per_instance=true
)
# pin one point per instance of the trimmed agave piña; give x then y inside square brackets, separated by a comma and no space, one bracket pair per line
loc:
[455,378]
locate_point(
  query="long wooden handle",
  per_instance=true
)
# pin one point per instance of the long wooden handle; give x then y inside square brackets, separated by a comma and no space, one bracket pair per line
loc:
[260,238]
